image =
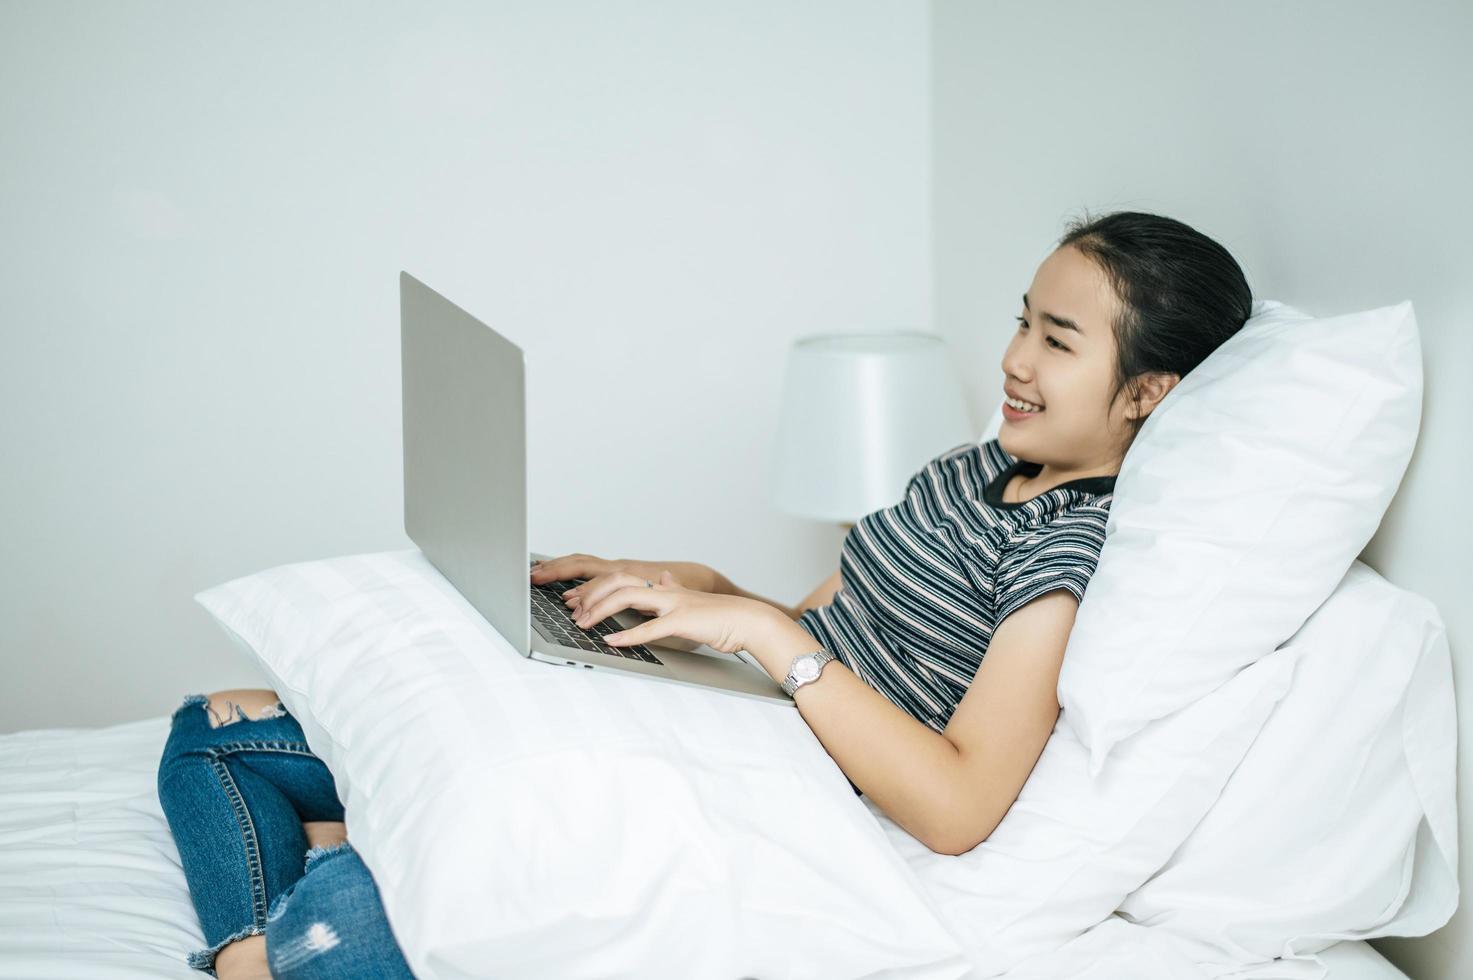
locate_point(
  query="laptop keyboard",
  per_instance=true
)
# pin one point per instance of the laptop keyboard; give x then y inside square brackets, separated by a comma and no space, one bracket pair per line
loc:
[554,621]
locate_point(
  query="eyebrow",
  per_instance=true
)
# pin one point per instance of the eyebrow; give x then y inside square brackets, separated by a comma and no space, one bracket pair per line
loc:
[1057,321]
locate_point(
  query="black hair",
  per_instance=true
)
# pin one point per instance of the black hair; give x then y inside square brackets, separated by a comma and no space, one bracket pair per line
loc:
[1181,294]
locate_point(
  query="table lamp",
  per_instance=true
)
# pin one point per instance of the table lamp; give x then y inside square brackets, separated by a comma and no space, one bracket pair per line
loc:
[860,415]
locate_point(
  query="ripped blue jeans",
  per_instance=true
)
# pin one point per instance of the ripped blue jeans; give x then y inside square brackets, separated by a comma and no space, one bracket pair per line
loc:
[235,797]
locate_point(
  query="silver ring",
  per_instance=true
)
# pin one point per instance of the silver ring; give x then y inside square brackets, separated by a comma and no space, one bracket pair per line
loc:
[649,583]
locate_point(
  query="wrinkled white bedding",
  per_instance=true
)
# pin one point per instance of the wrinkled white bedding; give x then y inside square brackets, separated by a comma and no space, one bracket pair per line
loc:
[90,884]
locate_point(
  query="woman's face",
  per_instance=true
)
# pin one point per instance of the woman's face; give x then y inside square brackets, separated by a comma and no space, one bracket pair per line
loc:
[1062,357]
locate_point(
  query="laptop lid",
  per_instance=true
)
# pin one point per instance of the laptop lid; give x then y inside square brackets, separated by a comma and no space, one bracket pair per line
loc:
[465,455]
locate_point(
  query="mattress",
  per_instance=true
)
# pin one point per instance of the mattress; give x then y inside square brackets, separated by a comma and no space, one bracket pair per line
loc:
[90,882]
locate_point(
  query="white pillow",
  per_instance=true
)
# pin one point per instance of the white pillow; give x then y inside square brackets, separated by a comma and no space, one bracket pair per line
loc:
[1072,846]
[528,820]
[1348,791]
[1246,495]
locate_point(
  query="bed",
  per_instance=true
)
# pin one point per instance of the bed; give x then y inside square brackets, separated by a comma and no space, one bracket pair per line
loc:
[91,881]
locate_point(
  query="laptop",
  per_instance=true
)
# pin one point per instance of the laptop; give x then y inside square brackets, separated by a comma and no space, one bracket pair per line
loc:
[465,504]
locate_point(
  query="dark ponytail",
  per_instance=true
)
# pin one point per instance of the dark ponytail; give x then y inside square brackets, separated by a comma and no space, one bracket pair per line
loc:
[1182,295]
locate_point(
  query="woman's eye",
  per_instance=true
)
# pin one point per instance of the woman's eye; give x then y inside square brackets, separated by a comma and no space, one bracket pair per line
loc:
[1023,323]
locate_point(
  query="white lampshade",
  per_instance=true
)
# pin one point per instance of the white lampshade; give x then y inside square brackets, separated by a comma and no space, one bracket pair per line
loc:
[861,413]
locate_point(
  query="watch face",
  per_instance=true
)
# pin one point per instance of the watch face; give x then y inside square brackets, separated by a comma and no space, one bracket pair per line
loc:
[806,669]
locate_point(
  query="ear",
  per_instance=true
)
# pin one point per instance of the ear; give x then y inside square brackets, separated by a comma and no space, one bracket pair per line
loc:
[1153,388]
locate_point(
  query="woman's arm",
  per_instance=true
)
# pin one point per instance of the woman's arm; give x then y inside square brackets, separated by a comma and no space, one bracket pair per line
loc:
[820,596]
[824,594]
[950,789]
[689,574]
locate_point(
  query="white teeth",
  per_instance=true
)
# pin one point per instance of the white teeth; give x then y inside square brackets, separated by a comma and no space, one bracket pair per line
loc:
[1021,405]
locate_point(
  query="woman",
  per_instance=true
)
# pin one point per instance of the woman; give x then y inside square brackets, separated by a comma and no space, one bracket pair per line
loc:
[947,619]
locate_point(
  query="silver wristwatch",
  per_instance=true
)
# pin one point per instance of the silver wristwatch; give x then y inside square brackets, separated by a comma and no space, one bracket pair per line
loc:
[805,669]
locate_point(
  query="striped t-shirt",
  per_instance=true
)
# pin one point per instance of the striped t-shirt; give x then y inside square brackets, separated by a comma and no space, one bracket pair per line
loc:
[924,583]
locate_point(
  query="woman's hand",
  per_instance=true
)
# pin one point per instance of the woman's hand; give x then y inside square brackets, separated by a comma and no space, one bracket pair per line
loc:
[726,622]
[605,575]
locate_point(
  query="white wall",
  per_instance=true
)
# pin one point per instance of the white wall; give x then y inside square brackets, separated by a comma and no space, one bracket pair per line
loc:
[1328,146]
[203,213]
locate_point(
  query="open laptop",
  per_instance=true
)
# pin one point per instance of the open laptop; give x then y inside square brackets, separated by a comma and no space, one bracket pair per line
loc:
[465,503]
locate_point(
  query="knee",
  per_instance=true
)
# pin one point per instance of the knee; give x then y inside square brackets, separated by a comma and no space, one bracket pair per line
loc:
[242,704]
[186,753]
[182,745]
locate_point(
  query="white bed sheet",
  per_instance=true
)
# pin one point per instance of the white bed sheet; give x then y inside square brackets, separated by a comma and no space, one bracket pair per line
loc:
[90,883]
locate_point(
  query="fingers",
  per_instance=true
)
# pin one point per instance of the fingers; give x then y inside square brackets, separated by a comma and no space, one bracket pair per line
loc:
[577,565]
[655,629]
[587,595]
[640,597]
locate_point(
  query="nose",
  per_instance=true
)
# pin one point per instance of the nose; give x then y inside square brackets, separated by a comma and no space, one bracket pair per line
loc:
[1015,361]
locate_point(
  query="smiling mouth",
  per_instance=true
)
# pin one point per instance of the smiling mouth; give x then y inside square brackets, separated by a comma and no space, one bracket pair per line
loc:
[1010,412]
